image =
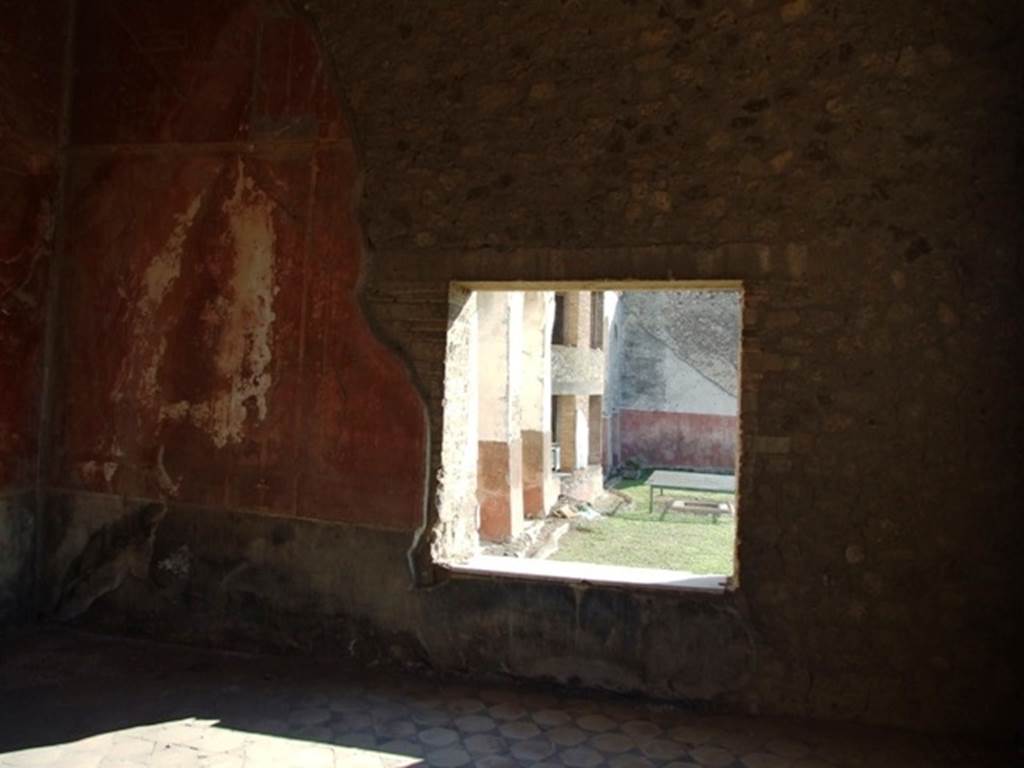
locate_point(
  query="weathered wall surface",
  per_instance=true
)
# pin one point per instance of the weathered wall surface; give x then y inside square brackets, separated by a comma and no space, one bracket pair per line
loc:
[675,394]
[16,555]
[251,581]
[679,351]
[32,42]
[212,348]
[856,165]
[455,504]
[676,440]
[576,370]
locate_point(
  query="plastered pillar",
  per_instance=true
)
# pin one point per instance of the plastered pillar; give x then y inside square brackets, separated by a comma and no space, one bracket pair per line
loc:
[539,492]
[500,367]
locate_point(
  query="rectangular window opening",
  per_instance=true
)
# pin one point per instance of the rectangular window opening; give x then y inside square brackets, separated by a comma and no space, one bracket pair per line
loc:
[593,435]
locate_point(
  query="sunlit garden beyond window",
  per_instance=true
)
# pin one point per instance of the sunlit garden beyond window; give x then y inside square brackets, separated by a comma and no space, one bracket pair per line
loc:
[666,537]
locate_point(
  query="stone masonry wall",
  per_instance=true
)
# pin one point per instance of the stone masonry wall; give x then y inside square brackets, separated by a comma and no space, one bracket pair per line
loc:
[858,167]
[676,394]
[679,350]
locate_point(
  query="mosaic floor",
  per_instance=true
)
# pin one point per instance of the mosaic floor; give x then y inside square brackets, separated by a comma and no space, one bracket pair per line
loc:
[84,701]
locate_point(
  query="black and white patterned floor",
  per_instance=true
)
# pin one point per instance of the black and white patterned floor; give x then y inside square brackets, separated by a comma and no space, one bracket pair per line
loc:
[83,701]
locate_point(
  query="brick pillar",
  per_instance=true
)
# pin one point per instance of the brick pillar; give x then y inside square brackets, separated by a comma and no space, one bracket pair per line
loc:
[572,431]
[576,328]
[595,425]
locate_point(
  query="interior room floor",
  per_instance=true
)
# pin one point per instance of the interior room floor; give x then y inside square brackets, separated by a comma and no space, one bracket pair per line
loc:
[82,700]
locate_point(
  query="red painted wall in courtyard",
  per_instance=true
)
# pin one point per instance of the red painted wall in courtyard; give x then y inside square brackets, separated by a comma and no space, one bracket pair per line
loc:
[684,440]
[31,52]
[213,348]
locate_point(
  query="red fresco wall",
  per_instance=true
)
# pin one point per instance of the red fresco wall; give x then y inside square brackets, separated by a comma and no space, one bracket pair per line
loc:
[213,347]
[683,440]
[31,52]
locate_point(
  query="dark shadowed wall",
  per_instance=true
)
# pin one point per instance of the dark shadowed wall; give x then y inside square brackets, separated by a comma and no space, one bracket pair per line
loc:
[856,165]
[32,52]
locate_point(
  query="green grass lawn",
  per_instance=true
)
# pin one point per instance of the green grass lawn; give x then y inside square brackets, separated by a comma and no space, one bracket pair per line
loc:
[681,541]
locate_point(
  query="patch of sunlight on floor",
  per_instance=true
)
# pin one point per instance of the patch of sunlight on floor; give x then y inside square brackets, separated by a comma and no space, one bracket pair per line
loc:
[195,742]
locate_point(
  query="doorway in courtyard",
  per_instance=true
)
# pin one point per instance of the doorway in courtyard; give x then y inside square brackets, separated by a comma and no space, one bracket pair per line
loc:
[594,433]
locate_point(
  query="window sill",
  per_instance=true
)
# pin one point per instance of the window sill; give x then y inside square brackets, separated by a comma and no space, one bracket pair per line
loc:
[588,573]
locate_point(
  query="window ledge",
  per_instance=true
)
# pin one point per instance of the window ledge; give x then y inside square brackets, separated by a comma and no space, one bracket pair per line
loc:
[587,573]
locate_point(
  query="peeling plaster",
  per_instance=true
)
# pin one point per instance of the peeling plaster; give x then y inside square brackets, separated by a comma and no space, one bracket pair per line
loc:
[165,268]
[178,563]
[158,279]
[167,486]
[241,322]
[244,354]
[90,471]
